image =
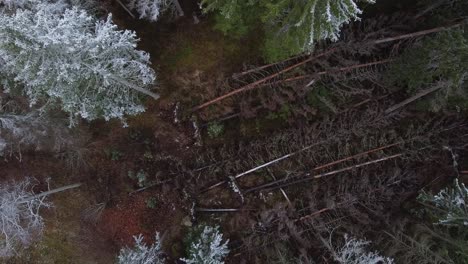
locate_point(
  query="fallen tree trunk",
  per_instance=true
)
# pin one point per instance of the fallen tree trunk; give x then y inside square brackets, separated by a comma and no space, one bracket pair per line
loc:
[379,41]
[286,182]
[413,98]
[43,194]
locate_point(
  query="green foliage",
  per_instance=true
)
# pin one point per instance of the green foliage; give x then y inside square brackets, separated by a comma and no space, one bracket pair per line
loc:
[318,96]
[140,177]
[290,26]
[284,113]
[438,60]
[215,129]
[237,18]
[113,154]
[151,203]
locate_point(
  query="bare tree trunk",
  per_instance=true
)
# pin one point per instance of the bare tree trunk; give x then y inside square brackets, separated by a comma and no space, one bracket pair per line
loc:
[430,8]
[179,8]
[125,8]
[261,166]
[281,183]
[413,98]
[299,151]
[342,69]
[254,84]
[223,210]
[43,194]
[417,34]
[237,75]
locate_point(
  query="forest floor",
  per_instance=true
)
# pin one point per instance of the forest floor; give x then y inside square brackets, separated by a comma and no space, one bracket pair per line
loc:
[90,224]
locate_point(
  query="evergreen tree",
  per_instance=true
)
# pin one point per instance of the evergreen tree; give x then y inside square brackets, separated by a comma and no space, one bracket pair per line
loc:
[451,204]
[88,67]
[291,26]
[440,60]
[354,251]
[206,246]
[142,253]
[151,9]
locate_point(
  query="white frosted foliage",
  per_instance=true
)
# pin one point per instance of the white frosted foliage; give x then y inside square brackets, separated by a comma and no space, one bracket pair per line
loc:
[142,253]
[328,16]
[208,248]
[88,67]
[451,203]
[354,252]
[20,221]
[151,9]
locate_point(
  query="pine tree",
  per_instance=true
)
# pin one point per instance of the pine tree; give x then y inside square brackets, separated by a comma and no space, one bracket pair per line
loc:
[207,247]
[354,251]
[290,26]
[436,61]
[451,204]
[142,253]
[88,67]
[151,9]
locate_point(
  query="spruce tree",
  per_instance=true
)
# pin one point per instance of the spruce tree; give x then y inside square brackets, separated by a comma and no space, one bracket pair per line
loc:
[88,67]
[290,26]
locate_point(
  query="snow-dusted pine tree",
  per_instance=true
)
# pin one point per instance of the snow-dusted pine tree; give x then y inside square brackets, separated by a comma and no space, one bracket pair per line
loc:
[152,9]
[354,252]
[207,247]
[20,221]
[88,67]
[142,253]
[451,203]
[10,4]
[291,26]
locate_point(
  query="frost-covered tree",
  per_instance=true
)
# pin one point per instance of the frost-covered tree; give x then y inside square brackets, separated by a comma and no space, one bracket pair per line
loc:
[354,251]
[20,221]
[14,3]
[207,247]
[451,203]
[291,26]
[152,9]
[142,253]
[88,67]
